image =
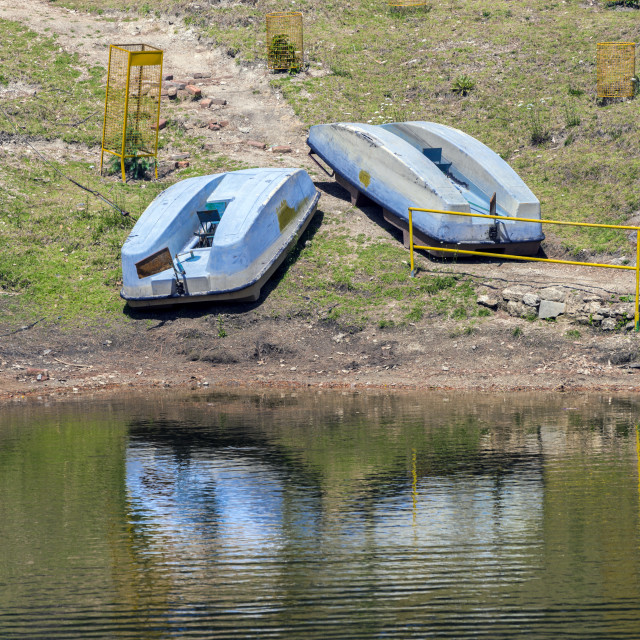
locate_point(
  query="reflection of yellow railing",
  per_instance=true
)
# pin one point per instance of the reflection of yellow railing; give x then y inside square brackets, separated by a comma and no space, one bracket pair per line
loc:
[529,258]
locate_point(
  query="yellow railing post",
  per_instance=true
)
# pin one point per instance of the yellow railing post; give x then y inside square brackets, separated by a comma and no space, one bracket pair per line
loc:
[413,273]
[636,318]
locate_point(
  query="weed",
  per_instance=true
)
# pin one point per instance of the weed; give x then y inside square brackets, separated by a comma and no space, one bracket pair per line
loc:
[483,312]
[463,84]
[538,128]
[573,91]
[385,324]
[517,332]
[571,117]
[572,334]
[221,330]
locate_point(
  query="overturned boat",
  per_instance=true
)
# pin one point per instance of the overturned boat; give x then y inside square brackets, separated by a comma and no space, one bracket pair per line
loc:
[432,166]
[217,237]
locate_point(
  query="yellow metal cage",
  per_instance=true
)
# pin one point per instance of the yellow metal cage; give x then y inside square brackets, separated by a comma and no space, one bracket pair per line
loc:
[132,103]
[616,69]
[284,41]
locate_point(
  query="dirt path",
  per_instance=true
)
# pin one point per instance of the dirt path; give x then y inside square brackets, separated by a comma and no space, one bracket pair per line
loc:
[185,349]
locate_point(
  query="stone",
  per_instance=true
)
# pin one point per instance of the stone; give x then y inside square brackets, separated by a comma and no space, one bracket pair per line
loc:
[182,164]
[172,92]
[531,299]
[553,294]
[516,292]
[224,123]
[516,308]
[205,103]
[214,126]
[281,149]
[488,301]
[608,324]
[162,123]
[256,144]
[180,86]
[180,156]
[621,309]
[218,101]
[167,76]
[550,309]
[196,92]
[38,374]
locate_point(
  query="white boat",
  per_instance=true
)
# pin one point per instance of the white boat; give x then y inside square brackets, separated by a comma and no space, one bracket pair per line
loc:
[433,166]
[217,237]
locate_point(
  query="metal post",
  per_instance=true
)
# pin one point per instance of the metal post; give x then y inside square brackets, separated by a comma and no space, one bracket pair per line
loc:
[413,271]
[125,119]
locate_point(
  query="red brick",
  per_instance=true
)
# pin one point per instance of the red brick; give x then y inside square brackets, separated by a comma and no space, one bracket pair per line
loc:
[182,164]
[281,149]
[162,123]
[193,90]
[256,144]
[205,103]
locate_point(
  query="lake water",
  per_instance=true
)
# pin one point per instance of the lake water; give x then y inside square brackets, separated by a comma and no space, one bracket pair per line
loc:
[321,515]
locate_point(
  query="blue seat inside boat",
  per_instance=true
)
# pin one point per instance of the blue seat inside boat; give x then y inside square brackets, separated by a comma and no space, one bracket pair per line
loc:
[435,155]
[209,221]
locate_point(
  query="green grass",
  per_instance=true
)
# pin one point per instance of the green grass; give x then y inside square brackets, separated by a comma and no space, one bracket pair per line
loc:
[529,72]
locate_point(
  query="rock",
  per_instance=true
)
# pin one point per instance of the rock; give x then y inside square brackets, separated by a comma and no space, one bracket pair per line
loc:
[214,126]
[205,103]
[179,156]
[219,101]
[515,293]
[281,149]
[182,164]
[516,308]
[596,319]
[180,86]
[162,123]
[593,307]
[172,93]
[38,374]
[167,76]
[630,326]
[201,75]
[487,300]
[531,299]
[339,337]
[224,123]
[194,91]
[256,144]
[550,309]
[621,309]
[553,294]
[608,324]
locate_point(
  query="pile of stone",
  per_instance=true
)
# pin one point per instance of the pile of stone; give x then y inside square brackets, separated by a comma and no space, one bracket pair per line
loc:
[525,301]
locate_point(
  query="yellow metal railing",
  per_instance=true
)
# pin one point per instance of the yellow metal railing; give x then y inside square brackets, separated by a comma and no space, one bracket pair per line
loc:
[530,258]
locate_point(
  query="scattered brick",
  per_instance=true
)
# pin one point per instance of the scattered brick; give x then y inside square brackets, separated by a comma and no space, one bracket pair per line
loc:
[167,76]
[256,144]
[201,75]
[162,123]
[205,103]
[281,149]
[193,90]
[182,164]
[221,101]
[224,123]
[214,126]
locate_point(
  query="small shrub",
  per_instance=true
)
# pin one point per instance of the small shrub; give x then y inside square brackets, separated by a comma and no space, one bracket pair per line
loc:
[573,334]
[517,332]
[463,84]
[282,54]
[574,91]
[538,130]
[572,119]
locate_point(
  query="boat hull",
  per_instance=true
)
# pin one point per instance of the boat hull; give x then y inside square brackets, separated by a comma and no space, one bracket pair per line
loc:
[389,164]
[264,213]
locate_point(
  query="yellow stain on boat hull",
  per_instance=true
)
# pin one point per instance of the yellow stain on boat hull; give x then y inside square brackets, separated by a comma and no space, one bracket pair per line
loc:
[365,178]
